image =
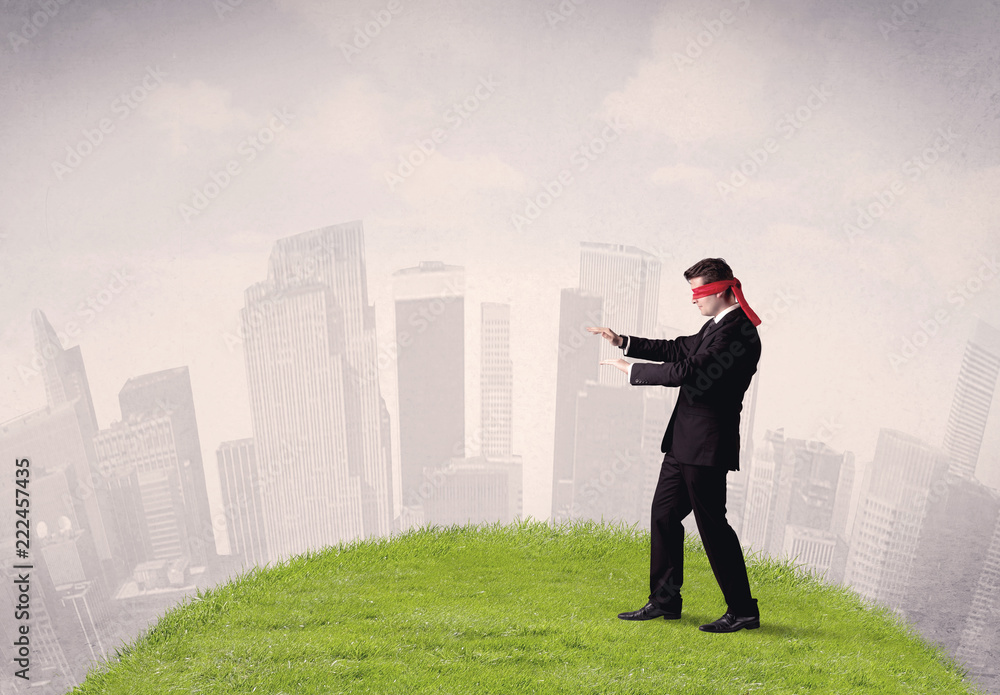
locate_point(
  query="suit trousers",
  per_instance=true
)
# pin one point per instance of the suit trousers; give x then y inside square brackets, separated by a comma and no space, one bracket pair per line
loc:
[681,489]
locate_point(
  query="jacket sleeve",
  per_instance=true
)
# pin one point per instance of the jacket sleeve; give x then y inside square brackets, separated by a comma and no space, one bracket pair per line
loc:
[726,349]
[661,350]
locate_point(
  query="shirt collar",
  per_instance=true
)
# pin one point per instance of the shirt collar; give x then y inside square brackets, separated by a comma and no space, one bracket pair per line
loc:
[718,317]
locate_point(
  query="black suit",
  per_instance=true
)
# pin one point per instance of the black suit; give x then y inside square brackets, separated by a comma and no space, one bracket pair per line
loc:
[701,444]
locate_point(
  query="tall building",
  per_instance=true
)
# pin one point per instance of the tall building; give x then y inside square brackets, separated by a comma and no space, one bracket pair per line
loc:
[619,288]
[891,515]
[808,492]
[657,405]
[949,560]
[430,335]
[628,280]
[496,380]
[979,646]
[798,497]
[763,482]
[168,393]
[578,361]
[65,561]
[608,482]
[315,403]
[55,439]
[816,550]
[142,471]
[60,435]
[973,395]
[51,670]
[473,491]
[63,373]
[239,480]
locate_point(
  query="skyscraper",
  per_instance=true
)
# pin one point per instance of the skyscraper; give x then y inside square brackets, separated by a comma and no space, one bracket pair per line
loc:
[762,486]
[980,641]
[607,467]
[168,393]
[61,435]
[578,361]
[315,402]
[430,335]
[628,280]
[496,380]
[239,480]
[141,468]
[891,514]
[473,490]
[951,554]
[970,407]
[807,491]
[63,373]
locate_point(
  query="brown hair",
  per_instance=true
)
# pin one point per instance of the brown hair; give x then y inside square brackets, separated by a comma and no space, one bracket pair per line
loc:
[712,269]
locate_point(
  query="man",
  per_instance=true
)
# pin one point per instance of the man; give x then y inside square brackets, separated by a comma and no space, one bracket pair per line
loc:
[701,444]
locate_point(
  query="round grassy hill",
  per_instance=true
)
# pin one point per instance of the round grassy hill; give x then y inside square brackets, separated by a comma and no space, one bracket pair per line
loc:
[523,608]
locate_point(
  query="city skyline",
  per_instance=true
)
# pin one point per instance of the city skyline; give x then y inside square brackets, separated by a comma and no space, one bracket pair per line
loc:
[830,430]
[168,284]
[802,499]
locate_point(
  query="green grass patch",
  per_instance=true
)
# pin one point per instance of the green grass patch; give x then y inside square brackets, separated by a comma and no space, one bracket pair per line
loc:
[522,608]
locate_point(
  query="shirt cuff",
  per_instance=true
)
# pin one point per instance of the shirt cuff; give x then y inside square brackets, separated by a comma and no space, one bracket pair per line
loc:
[625,344]
[630,372]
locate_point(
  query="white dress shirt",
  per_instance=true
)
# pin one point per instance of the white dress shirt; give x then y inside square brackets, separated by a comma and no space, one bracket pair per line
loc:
[717,318]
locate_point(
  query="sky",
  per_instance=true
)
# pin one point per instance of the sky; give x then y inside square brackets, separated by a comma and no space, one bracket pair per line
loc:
[842,157]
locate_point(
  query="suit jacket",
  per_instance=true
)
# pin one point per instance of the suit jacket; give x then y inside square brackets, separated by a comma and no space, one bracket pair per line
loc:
[713,369]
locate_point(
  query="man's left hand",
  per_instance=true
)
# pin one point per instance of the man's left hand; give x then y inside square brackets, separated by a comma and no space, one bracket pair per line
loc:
[619,363]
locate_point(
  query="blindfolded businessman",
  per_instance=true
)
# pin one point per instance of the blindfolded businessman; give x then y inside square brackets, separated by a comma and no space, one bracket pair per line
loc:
[712,369]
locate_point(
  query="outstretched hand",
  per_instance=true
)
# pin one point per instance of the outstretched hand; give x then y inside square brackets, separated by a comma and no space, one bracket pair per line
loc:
[615,340]
[608,334]
[619,363]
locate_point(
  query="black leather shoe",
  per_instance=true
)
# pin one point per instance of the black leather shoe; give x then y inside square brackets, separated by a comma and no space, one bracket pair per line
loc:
[732,623]
[648,612]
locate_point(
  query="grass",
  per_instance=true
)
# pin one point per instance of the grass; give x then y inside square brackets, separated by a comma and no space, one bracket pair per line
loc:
[522,608]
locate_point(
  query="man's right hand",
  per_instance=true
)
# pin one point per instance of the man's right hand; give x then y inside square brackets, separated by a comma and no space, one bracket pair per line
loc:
[609,334]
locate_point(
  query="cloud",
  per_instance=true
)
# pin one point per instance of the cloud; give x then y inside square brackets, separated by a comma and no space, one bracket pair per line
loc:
[193,113]
[684,175]
[702,81]
[358,118]
[472,193]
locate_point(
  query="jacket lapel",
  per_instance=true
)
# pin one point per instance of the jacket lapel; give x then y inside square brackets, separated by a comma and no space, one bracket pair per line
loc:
[714,326]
